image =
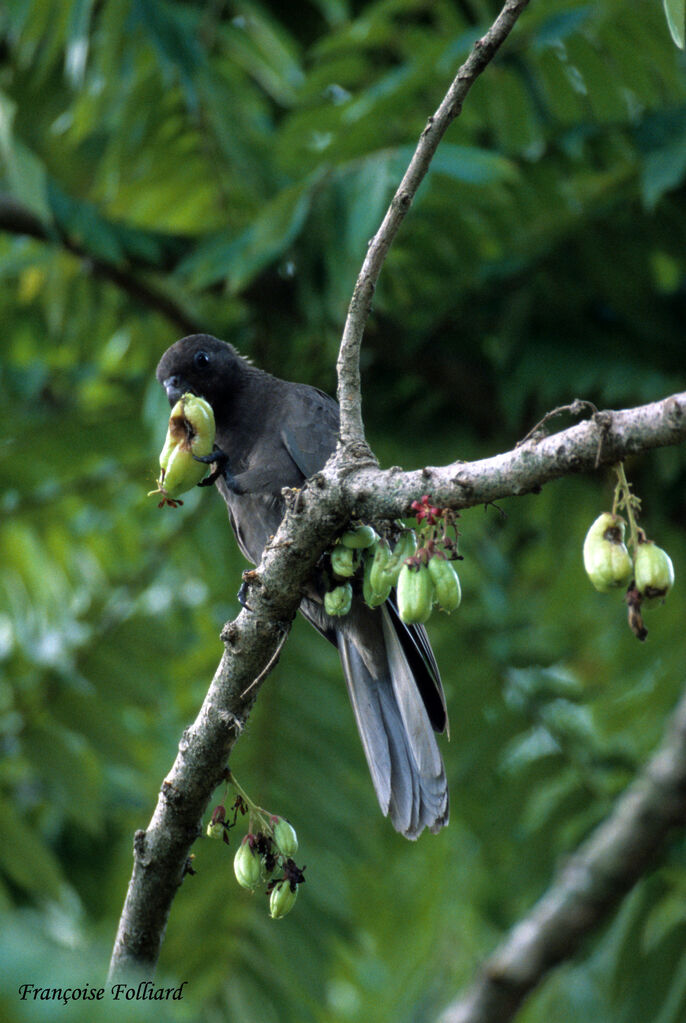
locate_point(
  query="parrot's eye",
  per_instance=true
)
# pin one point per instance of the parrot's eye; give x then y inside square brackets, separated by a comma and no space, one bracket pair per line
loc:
[201,360]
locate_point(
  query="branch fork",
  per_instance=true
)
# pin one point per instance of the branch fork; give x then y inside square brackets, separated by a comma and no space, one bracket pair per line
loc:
[352,480]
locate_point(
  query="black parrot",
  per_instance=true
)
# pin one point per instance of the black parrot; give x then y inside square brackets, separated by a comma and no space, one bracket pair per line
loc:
[275,434]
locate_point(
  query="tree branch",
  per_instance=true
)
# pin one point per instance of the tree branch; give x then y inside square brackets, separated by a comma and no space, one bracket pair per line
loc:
[348,365]
[310,526]
[606,438]
[17,219]
[325,504]
[251,643]
[252,640]
[592,883]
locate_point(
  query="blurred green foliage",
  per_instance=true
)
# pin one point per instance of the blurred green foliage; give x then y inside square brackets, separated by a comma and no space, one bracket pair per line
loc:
[223,165]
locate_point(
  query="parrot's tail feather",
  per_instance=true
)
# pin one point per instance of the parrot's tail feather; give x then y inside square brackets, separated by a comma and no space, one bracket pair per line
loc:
[397,736]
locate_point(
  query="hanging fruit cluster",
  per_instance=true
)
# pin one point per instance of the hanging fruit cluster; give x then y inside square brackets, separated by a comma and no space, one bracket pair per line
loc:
[648,574]
[265,855]
[419,565]
[191,432]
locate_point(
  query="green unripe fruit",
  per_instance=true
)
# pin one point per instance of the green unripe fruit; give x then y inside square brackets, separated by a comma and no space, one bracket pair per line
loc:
[285,838]
[404,548]
[376,565]
[180,473]
[374,598]
[191,431]
[415,594]
[446,583]
[606,559]
[247,866]
[200,428]
[337,602]
[171,443]
[375,587]
[282,899]
[359,538]
[342,561]
[653,573]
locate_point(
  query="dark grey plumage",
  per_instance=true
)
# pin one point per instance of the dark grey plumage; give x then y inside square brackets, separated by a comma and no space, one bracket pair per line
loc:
[275,434]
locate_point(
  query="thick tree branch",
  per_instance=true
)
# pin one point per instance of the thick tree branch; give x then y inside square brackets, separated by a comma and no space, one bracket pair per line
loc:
[311,524]
[252,641]
[604,439]
[592,883]
[483,52]
[346,485]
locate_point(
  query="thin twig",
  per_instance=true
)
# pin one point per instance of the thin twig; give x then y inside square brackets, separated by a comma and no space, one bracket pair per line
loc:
[527,467]
[161,852]
[578,407]
[15,218]
[267,668]
[348,365]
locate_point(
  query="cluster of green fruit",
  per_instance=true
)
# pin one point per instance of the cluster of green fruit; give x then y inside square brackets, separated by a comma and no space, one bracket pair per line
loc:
[190,433]
[264,857]
[648,576]
[422,571]
[609,565]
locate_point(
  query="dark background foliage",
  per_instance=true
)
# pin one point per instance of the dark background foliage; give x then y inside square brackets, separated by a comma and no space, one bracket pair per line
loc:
[171,166]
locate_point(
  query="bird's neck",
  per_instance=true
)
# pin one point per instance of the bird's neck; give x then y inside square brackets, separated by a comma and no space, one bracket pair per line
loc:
[242,417]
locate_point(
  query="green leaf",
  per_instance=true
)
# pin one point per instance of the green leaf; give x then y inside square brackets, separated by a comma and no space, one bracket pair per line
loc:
[26,175]
[24,857]
[334,11]
[675,11]
[69,770]
[663,139]
[265,50]
[78,42]
[472,165]
[171,30]
[239,259]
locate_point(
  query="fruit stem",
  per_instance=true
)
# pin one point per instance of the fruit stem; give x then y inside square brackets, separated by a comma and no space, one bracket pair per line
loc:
[628,502]
[253,809]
